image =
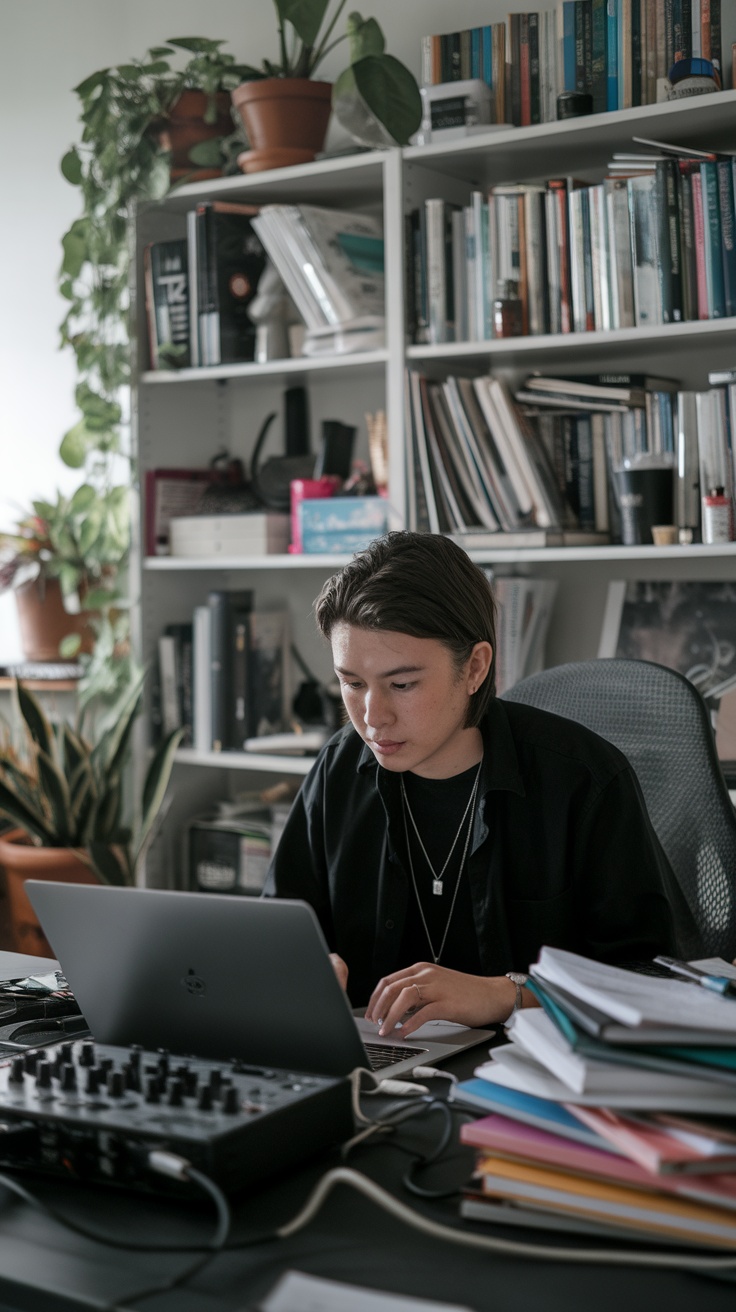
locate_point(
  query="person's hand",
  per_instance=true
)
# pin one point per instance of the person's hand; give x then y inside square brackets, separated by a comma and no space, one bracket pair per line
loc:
[340,969]
[424,992]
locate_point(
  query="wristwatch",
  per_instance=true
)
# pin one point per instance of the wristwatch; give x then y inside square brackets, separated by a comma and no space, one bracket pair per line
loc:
[517,979]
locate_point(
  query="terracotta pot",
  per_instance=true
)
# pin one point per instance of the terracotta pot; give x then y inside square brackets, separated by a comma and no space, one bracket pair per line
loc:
[185,127]
[43,620]
[285,119]
[22,861]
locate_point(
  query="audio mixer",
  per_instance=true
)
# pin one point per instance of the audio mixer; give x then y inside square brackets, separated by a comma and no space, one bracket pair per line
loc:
[95,1112]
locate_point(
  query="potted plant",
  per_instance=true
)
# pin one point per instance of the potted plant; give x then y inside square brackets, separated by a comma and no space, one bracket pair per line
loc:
[62,561]
[285,111]
[63,792]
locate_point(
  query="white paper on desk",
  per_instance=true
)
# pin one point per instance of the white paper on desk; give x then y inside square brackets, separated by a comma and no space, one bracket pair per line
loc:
[18,965]
[296,1292]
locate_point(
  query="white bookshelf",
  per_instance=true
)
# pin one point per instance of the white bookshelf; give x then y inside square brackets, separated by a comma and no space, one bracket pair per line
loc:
[181,418]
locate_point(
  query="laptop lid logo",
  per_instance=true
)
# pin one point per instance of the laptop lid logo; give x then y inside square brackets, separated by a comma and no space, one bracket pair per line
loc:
[194,984]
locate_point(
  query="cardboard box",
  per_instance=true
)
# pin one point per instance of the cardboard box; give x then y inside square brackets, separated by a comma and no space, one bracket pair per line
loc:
[209,536]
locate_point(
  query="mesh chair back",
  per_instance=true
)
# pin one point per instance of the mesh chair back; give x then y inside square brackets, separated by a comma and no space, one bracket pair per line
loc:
[659,720]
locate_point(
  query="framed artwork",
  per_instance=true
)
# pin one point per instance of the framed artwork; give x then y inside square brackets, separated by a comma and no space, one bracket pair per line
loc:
[689,626]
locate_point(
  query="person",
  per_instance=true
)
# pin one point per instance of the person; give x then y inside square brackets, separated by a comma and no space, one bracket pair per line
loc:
[443,835]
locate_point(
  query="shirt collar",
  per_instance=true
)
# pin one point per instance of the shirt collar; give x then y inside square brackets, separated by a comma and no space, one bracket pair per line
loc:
[500,761]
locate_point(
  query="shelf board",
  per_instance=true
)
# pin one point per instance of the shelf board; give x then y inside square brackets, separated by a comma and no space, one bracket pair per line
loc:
[510,154]
[307,561]
[358,363]
[599,555]
[281,764]
[359,175]
[697,335]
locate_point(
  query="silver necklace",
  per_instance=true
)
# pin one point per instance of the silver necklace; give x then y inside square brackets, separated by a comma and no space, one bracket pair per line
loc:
[437,884]
[469,808]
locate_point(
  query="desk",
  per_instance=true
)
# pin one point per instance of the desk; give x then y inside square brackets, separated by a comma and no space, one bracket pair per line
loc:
[46,1269]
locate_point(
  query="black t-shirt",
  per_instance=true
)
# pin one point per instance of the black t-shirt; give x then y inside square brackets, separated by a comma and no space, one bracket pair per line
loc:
[438,807]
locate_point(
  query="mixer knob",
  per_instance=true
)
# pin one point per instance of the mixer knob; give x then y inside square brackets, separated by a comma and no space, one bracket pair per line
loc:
[17,1067]
[215,1080]
[153,1089]
[68,1079]
[176,1093]
[230,1100]
[204,1099]
[115,1085]
[135,1055]
[87,1053]
[43,1075]
[29,1061]
[93,1080]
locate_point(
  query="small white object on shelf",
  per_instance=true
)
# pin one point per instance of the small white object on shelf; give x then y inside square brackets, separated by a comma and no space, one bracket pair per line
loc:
[251,534]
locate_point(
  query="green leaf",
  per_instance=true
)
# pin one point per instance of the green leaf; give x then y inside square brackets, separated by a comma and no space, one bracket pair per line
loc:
[84,497]
[24,815]
[75,445]
[305,16]
[386,89]
[91,83]
[75,254]
[365,37]
[207,153]
[32,712]
[69,646]
[110,864]
[66,289]
[56,794]
[156,783]
[198,44]
[71,167]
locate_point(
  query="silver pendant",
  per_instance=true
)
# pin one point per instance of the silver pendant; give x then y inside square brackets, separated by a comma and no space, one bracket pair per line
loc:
[437,887]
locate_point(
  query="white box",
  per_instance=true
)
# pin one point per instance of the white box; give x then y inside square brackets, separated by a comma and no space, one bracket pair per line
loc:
[253,534]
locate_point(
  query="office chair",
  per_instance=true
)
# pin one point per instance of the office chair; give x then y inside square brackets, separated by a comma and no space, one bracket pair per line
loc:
[659,720]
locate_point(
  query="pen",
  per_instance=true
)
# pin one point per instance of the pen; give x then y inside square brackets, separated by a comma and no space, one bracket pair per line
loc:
[716,983]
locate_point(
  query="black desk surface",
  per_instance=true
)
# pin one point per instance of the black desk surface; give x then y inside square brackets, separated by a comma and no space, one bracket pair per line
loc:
[45,1268]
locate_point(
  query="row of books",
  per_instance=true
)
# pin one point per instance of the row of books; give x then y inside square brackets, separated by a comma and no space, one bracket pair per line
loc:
[202,291]
[652,243]
[224,676]
[524,610]
[615,50]
[612,1110]
[538,467]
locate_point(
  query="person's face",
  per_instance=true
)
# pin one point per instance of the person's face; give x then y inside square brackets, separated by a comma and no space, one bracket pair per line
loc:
[407,700]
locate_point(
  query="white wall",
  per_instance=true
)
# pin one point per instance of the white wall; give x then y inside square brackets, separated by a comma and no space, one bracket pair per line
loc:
[47,47]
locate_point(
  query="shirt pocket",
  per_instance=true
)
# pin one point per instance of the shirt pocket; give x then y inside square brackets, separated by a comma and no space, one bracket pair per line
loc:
[536,922]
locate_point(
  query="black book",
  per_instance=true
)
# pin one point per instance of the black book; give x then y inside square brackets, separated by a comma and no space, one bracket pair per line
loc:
[223,607]
[182,635]
[668,241]
[230,261]
[515,52]
[534,97]
[268,672]
[166,284]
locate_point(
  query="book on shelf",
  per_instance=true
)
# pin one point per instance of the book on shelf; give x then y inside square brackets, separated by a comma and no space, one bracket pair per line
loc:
[169,493]
[480,540]
[176,675]
[166,287]
[524,614]
[230,260]
[331,262]
[201,679]
[268,669]
[226,611]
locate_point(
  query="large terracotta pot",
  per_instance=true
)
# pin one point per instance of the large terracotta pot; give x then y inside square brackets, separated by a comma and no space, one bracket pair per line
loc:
[43,621]
[185,127]
[21,861]
[285,119]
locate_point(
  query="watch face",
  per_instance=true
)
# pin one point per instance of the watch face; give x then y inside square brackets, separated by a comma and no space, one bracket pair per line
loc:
[516,977]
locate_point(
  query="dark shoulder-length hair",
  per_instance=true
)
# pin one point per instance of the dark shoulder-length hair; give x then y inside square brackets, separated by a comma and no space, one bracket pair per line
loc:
[422,584]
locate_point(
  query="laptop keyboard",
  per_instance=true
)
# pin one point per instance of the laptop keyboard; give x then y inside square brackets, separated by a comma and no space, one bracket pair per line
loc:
[385,1054]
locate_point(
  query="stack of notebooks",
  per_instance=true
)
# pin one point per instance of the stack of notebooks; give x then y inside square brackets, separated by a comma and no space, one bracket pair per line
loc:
[612,1111]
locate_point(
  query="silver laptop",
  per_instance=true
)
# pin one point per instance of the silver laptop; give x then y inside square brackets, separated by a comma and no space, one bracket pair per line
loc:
[207,975]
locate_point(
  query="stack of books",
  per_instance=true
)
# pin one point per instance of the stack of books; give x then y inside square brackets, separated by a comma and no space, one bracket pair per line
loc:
[331,263]
[613,1108]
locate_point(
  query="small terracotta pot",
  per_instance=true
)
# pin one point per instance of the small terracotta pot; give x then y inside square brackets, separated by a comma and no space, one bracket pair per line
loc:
[43,621]
[184,127]
[21,861]
[285,119]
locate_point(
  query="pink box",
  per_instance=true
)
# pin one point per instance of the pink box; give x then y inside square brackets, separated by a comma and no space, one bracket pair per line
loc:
[307,489]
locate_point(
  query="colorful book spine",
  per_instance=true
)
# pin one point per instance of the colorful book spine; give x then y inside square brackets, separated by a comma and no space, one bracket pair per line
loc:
[712,240]
[728,249]
[612,61]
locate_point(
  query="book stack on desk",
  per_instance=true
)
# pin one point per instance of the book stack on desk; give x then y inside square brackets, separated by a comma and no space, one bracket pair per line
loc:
[612,1110]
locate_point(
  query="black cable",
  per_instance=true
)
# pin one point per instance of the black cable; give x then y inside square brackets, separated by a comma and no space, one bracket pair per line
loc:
[215,1246]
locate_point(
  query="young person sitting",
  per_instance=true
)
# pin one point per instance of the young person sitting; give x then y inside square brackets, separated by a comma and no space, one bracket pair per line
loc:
[443,835]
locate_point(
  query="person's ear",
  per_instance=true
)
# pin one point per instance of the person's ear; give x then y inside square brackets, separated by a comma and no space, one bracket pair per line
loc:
[479,663]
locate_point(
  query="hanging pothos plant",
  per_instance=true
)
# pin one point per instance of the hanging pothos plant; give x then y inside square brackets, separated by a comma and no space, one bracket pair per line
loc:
[119,162]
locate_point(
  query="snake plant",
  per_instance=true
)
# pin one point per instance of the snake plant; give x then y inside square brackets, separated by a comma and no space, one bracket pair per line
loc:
[65,790]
